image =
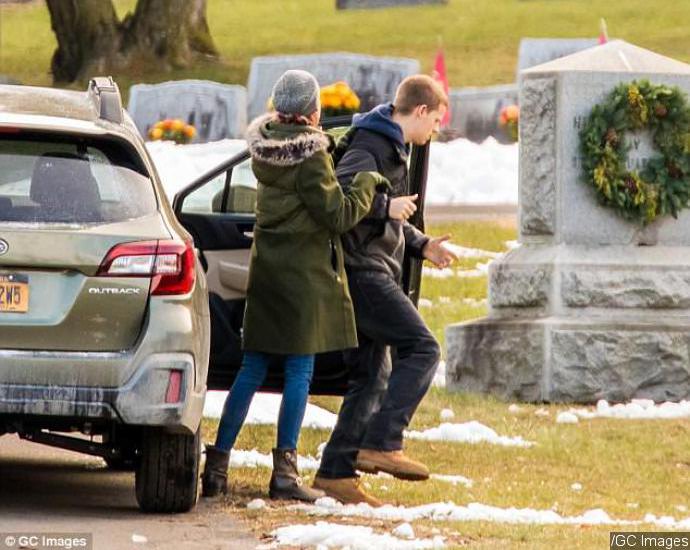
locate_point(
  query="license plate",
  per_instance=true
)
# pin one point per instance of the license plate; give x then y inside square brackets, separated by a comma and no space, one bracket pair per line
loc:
[14,293]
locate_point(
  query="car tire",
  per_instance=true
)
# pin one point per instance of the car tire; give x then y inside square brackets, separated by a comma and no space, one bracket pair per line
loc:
[167,476]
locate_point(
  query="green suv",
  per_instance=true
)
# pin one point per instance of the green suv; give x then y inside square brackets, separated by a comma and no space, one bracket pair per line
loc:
[118,311]
[104,312]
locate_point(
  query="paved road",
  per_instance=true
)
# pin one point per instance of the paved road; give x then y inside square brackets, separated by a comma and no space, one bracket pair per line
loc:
[50,490]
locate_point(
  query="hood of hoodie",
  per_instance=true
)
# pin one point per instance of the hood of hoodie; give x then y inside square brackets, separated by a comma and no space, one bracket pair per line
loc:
[274,145]
[380,120]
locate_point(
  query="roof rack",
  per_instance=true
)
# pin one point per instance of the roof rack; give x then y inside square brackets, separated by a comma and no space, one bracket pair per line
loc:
[105,96]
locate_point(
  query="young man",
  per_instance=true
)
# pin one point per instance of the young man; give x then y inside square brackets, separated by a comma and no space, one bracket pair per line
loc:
[382,394]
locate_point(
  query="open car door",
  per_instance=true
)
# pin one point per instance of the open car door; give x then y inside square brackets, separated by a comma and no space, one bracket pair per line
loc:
[218,210]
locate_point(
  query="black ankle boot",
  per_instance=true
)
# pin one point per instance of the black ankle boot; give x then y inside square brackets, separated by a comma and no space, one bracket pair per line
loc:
[285,481]
[215,478]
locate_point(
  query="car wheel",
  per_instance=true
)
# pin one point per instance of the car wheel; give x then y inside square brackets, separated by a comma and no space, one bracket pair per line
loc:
[168,472]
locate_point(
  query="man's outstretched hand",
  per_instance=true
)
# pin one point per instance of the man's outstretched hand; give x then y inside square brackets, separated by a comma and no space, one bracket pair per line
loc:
[436,253]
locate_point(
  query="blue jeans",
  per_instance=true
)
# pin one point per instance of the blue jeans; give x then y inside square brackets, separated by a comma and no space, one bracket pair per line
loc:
[298,373]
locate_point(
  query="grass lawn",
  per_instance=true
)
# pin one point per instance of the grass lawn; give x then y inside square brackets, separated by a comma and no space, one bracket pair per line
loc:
[628,468]
[480,38]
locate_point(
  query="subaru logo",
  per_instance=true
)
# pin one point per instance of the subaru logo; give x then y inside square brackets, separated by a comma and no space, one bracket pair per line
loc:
[4,247]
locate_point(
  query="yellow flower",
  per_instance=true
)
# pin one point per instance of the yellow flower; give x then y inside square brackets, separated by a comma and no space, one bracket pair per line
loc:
[156,133]
[600,176]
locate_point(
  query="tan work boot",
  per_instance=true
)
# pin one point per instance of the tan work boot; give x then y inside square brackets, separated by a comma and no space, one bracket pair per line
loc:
[346,490]
[394,463]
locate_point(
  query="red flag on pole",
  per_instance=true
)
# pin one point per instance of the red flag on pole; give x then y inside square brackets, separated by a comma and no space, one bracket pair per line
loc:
[603,33]
[441,76]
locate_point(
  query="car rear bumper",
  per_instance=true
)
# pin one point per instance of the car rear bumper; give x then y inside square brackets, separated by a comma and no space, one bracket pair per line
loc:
[140,401]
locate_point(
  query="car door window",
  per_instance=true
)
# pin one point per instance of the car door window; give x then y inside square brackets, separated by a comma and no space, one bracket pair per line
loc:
[238,183]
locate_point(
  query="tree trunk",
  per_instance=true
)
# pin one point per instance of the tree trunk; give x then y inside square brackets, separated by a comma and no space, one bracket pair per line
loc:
[162,33]
[170,30]
[87,33]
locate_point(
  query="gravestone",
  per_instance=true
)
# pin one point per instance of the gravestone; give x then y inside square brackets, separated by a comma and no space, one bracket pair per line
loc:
[536,51]
[374,79]
[475,111]
[217,111]
[590,306]
[367,4]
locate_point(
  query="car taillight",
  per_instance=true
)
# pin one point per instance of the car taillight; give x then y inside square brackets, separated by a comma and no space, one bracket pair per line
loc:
[169,264]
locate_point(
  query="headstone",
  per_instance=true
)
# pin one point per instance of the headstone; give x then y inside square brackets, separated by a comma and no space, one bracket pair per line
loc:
[535,51]
[475,111]
[217,111]
[590,306]
[374,79]
[365,4]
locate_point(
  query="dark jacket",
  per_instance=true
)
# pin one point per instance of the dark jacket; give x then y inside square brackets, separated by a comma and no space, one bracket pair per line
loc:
[375,143]
[298,300]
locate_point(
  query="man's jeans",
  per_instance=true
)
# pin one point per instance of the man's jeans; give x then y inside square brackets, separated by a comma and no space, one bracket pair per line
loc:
[380,399]
[298,373]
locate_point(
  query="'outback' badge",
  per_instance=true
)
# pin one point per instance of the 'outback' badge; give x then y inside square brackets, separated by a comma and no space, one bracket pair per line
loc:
[4,247]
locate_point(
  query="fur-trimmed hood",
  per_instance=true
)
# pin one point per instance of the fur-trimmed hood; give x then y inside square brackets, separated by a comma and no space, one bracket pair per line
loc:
[284,145]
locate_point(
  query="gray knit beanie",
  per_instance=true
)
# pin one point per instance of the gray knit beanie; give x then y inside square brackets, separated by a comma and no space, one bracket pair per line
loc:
[296,93]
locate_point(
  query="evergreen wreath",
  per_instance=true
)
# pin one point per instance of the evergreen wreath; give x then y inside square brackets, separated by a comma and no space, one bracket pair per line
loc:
[663,185]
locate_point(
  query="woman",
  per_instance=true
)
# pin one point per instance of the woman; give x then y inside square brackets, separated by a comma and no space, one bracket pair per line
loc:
[298,303]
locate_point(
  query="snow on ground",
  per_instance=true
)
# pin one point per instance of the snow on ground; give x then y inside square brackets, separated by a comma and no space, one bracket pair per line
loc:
[467,432]
[464,252]
[264,410]
[240,458]
[439,380]
[453,479]
[474,511]
[460,171]
[354,537]
[179,165]
[636,409]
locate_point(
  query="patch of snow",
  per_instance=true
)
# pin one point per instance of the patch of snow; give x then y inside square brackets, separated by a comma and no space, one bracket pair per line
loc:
[461,171]
[512,245]
[514,409]
[447,414]
[576,486]
[439,380]
[139,539]
[424,302]
[449,511]
[444,273]
[467,432]
[354,537]
[404,531]
[179,165]
[453,479]
[566,417]
[256,504]
[636,409]
[255,459]
[264,410]
[542,412]
[681,508]
[464,252]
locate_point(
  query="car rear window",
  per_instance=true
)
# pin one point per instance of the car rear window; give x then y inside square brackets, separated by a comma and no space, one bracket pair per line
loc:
[46,180]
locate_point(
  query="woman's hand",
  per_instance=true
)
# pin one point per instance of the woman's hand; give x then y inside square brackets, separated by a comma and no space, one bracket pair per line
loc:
[401,208]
